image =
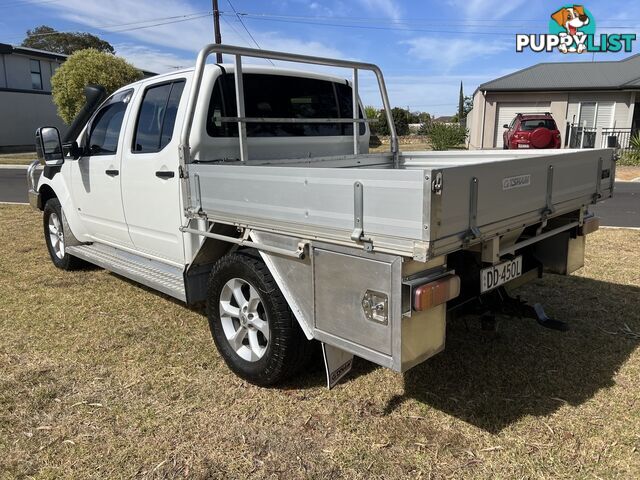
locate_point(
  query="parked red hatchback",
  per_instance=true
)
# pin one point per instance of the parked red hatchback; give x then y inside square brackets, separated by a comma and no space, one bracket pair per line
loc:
[532,130]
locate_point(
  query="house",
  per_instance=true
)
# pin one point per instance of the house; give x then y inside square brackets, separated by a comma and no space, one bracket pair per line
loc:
[598,98]
[25,95]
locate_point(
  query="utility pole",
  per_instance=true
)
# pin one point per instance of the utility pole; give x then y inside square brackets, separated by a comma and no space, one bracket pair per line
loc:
[216,29]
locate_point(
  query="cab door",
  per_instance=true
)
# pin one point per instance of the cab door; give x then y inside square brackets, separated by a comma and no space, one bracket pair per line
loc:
[95,176]
[150,180]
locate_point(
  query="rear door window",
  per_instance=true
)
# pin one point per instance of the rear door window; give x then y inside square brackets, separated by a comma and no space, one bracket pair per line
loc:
[280,96]
[157,117]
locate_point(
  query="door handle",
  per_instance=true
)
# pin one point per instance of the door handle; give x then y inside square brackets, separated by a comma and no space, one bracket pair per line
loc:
[165,174]
[112,173]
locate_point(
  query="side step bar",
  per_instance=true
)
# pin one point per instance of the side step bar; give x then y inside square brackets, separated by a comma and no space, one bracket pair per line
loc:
[151,273]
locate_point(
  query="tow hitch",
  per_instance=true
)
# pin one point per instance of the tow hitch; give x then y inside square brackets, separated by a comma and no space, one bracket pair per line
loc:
[499,302]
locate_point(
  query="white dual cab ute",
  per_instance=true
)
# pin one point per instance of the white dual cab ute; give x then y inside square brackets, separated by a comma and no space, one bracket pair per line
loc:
[252,189]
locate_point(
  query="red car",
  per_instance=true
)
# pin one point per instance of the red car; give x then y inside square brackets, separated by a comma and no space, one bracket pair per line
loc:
[531,130]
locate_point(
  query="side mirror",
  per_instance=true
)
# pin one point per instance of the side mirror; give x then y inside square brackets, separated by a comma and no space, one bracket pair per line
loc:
[505,126]
[49,146]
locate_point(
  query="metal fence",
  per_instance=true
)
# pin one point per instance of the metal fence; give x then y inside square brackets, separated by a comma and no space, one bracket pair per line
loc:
[581,136]
[623,136]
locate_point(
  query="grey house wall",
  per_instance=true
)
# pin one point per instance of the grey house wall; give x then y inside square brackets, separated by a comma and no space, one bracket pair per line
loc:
[22,108]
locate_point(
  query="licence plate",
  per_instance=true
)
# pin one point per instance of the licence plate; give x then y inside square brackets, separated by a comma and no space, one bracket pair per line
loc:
[496,275]
[523,145]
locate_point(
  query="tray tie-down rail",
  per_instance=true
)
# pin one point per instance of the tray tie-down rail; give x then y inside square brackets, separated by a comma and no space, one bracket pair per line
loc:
[244,241]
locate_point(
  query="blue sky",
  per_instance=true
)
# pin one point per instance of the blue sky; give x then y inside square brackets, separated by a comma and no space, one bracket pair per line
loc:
[425,48]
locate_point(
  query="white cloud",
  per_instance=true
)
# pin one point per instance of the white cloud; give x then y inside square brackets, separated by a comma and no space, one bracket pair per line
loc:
[188,36]
[487,9]
[448,53]
[151,59]
[388,8]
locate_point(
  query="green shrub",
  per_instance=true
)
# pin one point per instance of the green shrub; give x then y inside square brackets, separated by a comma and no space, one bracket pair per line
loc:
[632,156]
[425,128]
[86,67]
[399,116]
[445,136]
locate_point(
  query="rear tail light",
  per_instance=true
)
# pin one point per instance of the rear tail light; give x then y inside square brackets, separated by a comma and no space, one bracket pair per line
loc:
[590,225]
[436,293]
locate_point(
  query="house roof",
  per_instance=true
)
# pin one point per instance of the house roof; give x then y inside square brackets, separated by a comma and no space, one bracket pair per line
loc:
[32,52]
[7,49]
[609,75]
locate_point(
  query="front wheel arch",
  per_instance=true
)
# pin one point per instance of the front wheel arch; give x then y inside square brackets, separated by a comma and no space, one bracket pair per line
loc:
[46,194]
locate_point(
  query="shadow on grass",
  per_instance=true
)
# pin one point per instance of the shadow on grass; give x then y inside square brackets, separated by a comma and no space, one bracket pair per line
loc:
[492,379]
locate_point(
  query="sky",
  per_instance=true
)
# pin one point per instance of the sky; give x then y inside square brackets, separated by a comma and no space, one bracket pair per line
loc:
[425,48]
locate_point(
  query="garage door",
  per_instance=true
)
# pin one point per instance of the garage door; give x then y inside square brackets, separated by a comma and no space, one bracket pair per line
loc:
[507,112]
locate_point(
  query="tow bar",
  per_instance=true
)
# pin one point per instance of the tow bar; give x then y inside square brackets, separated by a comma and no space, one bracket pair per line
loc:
[499,302]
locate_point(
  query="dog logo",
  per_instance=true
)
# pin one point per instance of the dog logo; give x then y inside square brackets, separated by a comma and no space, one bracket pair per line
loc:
[572,19]
[572,29]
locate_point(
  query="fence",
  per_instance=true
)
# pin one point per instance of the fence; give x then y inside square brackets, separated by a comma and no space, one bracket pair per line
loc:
[581,136]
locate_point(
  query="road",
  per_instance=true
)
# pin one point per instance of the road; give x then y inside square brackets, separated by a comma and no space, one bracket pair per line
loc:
[13,185]
[623,210]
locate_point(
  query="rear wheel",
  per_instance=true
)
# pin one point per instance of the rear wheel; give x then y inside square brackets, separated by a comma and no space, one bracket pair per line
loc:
[251,323]
[54,235]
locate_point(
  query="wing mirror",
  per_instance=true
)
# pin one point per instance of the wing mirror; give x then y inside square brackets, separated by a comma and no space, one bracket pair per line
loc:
[505,126]
[49,146]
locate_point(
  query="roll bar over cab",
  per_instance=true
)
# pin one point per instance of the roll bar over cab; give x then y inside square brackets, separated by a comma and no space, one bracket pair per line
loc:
[252,189]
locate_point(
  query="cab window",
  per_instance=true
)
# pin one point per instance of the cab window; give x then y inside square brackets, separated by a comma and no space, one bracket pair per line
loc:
[157,117]
[281,96]
[104,131]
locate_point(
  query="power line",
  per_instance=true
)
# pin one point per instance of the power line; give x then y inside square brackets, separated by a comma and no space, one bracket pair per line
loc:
[191,16]
[247,30]
[402,26]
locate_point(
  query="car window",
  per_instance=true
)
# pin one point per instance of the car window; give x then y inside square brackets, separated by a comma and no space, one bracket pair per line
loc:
[527,125]
[281,96]
[106,125]
[157,117]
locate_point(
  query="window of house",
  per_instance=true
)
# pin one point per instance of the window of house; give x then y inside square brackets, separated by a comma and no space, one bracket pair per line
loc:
[281,96]
[106,125]
[157,117]
[36,75]
[587,114]
[597,114]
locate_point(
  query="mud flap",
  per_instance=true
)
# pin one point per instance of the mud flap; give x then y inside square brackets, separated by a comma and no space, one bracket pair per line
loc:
[337,364]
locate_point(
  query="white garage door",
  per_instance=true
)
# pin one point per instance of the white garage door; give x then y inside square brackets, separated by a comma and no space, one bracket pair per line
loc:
[507,112]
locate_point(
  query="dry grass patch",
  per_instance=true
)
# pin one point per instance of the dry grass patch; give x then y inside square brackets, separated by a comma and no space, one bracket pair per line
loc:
[101,378]
[17,158]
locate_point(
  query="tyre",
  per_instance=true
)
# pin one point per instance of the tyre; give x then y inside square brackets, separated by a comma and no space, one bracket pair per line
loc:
[251,323]
[54,236]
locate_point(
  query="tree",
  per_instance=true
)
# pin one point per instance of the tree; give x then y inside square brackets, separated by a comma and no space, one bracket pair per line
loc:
[50,40]
[399,116]
[88,67]
[467,106]
[461,114]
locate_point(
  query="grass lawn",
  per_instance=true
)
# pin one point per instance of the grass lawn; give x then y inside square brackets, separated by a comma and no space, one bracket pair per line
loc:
[17,158]
[101,378]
